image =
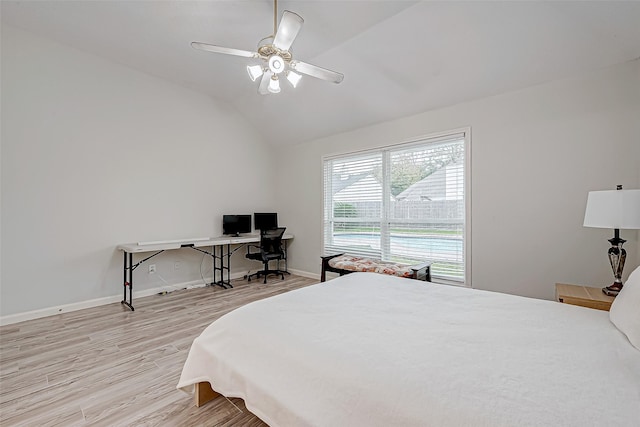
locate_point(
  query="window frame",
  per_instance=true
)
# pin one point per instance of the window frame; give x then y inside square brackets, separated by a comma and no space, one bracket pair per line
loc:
[463,133]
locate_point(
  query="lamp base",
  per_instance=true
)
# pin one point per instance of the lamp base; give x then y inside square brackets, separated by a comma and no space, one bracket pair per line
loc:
[617,256]
[612,290]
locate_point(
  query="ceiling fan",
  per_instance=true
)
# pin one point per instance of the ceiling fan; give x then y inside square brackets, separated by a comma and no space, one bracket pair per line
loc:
[276,57]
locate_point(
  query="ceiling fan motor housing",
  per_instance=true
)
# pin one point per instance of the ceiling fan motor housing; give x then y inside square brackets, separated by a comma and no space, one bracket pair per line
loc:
[276,64]
[275,57]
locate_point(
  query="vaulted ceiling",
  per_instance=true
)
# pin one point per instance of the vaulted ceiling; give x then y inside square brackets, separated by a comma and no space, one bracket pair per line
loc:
[398,57]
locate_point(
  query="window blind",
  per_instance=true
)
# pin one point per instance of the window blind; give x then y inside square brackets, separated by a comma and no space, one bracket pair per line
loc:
[403,203]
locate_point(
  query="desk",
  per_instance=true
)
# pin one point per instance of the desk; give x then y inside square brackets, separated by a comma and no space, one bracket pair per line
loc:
[217,245]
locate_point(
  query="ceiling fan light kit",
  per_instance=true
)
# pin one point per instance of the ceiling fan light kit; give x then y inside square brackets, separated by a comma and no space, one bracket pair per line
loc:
[274,85]
[275,54]
[254,71]
[276,64]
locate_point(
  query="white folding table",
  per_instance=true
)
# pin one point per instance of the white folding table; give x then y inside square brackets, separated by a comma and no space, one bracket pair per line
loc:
[218,256]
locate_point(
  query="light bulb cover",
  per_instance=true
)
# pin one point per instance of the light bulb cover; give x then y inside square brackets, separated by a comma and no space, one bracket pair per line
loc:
[274,85]
[293,78]
[276,64]
[254,71]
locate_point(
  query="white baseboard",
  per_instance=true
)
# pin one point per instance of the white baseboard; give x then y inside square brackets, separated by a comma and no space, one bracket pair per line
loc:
[66,308]
[50,311]
[304,274]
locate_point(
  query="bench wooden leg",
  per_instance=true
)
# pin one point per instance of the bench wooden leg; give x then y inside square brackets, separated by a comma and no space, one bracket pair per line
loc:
[326,267]
[204,393]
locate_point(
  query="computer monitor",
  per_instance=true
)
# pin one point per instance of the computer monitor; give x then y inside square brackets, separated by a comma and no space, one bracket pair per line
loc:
[236,224]
[265,221]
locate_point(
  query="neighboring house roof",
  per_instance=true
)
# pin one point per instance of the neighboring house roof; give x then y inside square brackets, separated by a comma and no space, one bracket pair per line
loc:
[445,183]
[341,182]
[359,188]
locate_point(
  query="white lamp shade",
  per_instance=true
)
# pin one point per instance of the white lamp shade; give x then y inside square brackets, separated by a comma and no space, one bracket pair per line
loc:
[254,71]
[274,85]
[613,209]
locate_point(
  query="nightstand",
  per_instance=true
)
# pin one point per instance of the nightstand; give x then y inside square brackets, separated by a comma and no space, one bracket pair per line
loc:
[583,296]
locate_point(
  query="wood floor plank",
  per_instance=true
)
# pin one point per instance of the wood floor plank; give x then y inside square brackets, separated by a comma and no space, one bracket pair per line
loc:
[16,389]
[7,369]
[109,366]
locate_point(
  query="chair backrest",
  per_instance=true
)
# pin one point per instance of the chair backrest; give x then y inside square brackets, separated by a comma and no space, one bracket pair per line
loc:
[271,241]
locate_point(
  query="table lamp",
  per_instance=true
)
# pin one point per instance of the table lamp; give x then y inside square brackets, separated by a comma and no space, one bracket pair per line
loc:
[614,209]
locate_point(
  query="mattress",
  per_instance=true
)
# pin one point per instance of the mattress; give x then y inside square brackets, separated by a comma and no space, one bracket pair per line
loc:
[377,350]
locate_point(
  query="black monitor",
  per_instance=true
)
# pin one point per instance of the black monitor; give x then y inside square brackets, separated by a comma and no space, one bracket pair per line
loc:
[265,221]
[236,224]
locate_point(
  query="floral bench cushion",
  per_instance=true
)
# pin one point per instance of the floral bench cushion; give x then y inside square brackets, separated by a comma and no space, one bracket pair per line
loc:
[354,263]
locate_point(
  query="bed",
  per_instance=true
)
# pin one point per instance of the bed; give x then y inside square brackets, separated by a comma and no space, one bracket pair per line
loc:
[369,349]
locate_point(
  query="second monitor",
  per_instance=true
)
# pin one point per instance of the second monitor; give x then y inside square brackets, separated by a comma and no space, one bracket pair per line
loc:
[265,221]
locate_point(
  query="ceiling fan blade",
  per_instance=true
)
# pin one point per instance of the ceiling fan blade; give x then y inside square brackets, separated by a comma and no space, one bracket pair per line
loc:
[264,83]
[225,50]
[288,29]
[317,72]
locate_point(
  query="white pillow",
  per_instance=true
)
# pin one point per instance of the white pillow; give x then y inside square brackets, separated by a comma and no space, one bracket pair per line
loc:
[625,310]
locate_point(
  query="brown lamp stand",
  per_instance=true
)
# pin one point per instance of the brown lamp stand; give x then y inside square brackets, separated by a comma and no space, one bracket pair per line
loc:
[617,256]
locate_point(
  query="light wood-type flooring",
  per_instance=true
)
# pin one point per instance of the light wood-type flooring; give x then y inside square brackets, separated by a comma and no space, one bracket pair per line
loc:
[108,366]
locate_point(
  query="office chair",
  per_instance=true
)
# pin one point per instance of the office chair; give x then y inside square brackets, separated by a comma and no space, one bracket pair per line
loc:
[270,249]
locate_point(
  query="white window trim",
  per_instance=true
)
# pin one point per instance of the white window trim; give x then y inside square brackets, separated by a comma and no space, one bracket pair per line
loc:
[419,140]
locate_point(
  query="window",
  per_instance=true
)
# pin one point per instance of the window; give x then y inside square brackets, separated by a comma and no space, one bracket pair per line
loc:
[403,203]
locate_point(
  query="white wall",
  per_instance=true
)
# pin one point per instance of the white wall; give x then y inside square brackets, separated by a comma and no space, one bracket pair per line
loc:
[636,156]
[535,155]
[95,154]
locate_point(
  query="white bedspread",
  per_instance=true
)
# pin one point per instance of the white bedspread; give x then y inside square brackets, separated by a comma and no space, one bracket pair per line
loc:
[374,350]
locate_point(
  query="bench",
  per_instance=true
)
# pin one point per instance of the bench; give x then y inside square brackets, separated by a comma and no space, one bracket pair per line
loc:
[345,264]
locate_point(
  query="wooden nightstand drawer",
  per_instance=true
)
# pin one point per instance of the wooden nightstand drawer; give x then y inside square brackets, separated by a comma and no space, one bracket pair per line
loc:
[583,296]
